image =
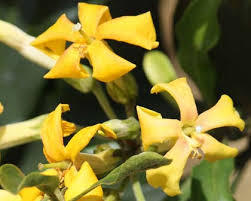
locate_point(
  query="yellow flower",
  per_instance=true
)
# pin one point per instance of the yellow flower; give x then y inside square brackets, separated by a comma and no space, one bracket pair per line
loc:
[53,131]
[87,38]
[186,136]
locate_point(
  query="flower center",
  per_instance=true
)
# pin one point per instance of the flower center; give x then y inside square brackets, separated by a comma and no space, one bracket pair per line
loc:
[78,27]
[188,130]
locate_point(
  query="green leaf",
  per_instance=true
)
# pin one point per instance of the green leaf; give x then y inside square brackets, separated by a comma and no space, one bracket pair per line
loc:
[210,181]
[158,67]
[47,184]
[197,33]
[134,164]
[12,179]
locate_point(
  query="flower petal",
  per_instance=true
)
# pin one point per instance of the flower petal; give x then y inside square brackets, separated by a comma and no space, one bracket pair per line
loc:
[52,134]
[84,179]
[52,41]
[107,66]
[137,30]
[181,92]
[80,140]
[213,149]
[91,15]
[7,196]
[68,65]
[68,127]
[30,193]
[1,108]
[168,177]
[70,176]
[155,130]
[220,115]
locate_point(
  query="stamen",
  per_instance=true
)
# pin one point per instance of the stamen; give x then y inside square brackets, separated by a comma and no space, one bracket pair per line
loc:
[198,129]
[77,27]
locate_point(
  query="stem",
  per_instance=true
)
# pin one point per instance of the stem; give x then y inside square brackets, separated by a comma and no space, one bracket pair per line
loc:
[130,109]
[137,189]
[62,165]
[103,101]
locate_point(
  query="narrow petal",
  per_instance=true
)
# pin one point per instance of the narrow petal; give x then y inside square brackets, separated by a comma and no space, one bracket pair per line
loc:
[107,66]
[168,177]
[80,140]
[108,132]
[68,65]
[137,30]
[84,179]
[1,108]
[91,15]
[220,115]
[68,127]
[155,130]
[181,92]
[30,193]
[52,41]
[213,149]
[7,196]
[52,134]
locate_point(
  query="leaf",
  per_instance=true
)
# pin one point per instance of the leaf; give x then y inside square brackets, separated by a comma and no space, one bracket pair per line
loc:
[197,33]
[12,179]
[158,67]
[210,181]
[134,164]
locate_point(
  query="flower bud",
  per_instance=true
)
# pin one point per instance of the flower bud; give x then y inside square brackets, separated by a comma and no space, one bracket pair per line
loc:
[123,90]
[124,129]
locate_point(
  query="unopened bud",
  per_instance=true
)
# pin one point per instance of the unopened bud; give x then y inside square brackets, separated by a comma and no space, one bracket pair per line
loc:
[124,129]
[123,90]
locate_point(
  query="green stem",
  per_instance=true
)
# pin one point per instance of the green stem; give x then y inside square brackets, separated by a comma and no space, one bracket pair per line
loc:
[137,190]
[130,109]
[62,165]
[103,101]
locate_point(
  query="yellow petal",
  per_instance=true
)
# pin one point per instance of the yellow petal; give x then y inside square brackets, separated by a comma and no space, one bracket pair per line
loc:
[70,176]
[68,65]
[181,92]
[30,193]
[107,66]
[68,127]
[108,132]
[1,108]
[50,172]
[155,130]
[220,115]
[84,179]
[53,39]
[137,30]
[91,15]
[213,149]
[52,134]
[7,196]
[80,140]
[168,177]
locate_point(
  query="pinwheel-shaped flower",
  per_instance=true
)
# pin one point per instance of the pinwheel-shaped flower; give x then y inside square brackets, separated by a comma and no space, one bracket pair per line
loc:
[87,37]
[53,131]
[186,136]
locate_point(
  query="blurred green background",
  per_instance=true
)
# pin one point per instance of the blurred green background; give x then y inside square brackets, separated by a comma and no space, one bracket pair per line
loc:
[25,94]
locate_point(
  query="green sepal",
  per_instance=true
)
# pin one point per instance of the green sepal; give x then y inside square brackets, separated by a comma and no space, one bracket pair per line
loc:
[134,164]
[83,85]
